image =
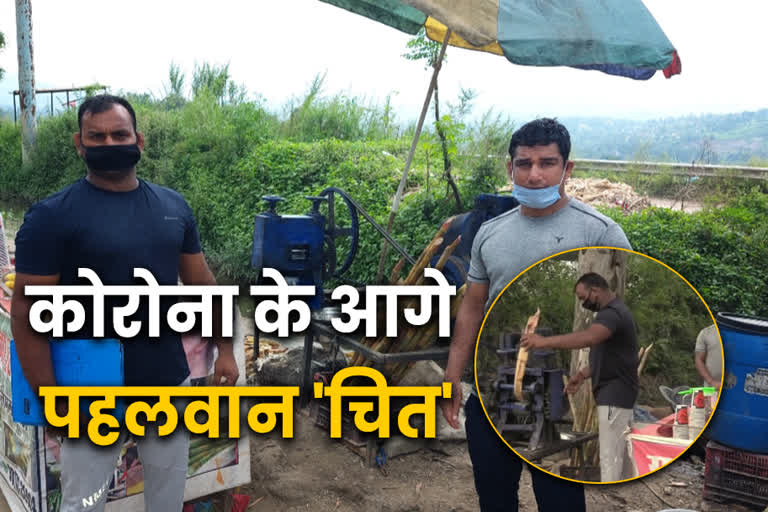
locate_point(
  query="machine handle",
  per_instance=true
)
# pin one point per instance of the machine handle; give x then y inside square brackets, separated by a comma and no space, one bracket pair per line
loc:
[316,200]
[272,202]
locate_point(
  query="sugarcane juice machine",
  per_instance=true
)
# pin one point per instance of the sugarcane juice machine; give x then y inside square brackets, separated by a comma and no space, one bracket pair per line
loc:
[304,249]
[535,424]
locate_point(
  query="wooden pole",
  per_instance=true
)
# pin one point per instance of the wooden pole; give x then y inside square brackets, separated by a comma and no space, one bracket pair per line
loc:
[414,143]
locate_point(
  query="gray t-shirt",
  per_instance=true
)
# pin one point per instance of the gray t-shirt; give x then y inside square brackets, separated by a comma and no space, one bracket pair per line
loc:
[708,341]
[614,361]
[508,244]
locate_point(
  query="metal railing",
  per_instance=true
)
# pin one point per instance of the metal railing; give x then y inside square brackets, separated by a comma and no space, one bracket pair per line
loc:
[693,169]
[677,169]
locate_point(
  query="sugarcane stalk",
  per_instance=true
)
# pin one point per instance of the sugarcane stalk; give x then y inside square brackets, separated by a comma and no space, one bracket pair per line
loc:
[424,338]
[418,270]
[395,275]
[644,360]
[442,260]
[439,266]
[419,338]
[415,276]
[398,369]
[522,355]
[419,342]
[406,340]
[383,343]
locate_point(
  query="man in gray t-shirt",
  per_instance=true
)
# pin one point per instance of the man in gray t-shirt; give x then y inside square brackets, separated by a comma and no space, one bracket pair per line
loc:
[508,244]
[546,222]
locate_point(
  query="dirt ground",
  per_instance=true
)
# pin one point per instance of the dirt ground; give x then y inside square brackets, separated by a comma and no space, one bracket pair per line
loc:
[313,472]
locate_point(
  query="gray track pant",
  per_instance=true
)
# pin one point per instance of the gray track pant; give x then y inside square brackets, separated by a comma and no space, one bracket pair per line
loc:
[86,470]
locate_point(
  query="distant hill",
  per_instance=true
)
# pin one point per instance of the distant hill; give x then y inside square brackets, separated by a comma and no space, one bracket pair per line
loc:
[712,138]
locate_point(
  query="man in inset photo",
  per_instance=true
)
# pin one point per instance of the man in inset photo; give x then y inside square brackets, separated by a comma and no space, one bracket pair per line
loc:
[613,361]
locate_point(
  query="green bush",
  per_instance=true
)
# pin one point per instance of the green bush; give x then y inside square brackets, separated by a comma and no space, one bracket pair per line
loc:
[224,156]
[722,252]
[10,158]
[55,163]
[225,202]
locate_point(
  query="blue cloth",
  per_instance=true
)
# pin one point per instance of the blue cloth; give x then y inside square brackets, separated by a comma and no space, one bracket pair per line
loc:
[497,471]
[112,233]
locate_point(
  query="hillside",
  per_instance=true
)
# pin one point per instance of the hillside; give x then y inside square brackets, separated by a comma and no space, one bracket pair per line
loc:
[712,138]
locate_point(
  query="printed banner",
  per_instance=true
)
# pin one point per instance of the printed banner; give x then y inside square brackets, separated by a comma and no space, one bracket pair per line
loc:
[650,454]
[18,443]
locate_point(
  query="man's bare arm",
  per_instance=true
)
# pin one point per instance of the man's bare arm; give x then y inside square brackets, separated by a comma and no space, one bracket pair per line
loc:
[593,335]
[33,349]
[468,321]
[194,270]
[701,366]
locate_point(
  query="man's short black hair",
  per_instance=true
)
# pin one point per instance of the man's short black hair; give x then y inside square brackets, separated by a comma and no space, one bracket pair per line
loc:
[101,103]
[592,280]
[542,132]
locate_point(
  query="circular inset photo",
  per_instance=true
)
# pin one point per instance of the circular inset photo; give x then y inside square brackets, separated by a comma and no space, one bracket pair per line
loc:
[599,365]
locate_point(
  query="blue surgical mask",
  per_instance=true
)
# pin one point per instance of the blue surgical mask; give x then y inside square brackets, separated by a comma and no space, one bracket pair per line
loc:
[537,198]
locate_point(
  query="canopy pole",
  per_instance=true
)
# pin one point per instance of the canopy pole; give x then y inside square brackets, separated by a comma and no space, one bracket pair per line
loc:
[414,143]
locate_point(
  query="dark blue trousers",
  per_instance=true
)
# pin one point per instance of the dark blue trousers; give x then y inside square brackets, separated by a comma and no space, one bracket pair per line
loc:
[497,471]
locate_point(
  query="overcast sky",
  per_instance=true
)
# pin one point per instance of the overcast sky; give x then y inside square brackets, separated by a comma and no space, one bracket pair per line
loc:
[276,47]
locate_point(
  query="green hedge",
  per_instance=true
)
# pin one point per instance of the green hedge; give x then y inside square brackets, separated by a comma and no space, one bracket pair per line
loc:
[225,158]
[722,252]
[225,203]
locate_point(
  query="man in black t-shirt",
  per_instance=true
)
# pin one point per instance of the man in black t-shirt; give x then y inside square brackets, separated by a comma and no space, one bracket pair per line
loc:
[112,222]
[613,361]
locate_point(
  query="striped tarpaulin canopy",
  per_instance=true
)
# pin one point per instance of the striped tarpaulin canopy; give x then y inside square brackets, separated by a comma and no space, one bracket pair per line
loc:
[618,37]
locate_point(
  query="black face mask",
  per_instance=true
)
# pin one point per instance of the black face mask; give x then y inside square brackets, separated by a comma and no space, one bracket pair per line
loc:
[119,158]
[590,305]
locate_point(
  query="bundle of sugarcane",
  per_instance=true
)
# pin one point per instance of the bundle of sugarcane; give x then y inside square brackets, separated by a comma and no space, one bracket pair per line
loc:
[203,449]
[421,338]
[397,344]
[522,355]
[414,278]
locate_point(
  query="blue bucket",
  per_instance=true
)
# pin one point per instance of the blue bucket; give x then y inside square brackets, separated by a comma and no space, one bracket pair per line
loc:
[741,417]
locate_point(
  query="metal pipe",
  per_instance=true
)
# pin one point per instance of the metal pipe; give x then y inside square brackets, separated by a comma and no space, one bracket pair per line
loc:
[435,354]
[381,231]
[27,99]
[306,385]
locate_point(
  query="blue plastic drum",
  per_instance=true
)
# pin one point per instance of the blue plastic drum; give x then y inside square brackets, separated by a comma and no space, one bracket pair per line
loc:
[741,418]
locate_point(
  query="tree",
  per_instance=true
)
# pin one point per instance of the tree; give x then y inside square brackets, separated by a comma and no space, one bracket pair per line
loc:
[216,81]
[421,48]
[174,89]
[2,45]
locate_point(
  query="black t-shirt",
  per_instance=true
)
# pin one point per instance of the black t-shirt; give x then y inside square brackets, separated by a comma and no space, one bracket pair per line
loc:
[112,233]
[614,361]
